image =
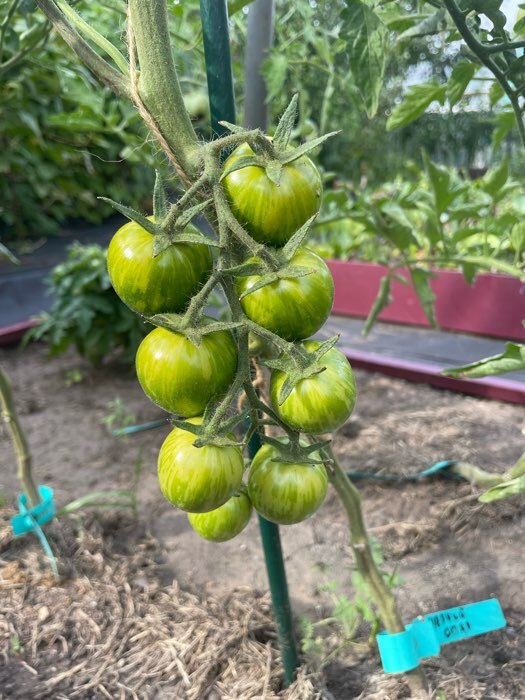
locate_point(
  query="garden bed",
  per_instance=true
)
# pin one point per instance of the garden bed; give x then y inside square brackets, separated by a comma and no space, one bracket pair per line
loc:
[449,550]
[493,306]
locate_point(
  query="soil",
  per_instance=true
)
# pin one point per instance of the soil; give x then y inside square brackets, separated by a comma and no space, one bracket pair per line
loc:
[447,547]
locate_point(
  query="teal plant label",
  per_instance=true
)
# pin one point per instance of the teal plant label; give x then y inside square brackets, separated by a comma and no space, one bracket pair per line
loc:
[29,519]
[422,638]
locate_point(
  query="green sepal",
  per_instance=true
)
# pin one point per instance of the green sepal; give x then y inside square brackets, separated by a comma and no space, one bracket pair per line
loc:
[217,441]
[187,426]
[274,170]
[305,148]
[188,214]
[219,326]
[286,124]
[191,237]
[287,272]
[160,203]
[246,269]
[325,346]
[171,322]
[294,452]
[133,215]
[291,247]
[161,242]
[233,128]
[243,162]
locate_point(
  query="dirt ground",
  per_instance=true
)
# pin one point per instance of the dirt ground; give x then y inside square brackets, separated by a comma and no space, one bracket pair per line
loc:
[448,549]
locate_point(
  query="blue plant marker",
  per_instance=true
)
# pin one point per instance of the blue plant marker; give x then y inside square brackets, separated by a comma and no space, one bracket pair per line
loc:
[403,651]
[40,514]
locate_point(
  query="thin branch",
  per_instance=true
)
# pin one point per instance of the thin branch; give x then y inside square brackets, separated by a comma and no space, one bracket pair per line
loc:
[510,46]
[96,64]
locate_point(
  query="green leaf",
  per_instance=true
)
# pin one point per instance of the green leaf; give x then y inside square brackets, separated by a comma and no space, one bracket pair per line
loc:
[235,6]
[382,300]
[421,281]
[512,360]
[394,224]
[461,75]
[366,42]
[496,93]
[504,123]
[439,176]
[274,69]
[429,24]
[517,238]
[514,487]
[495,178]
[286,125]
[416,101]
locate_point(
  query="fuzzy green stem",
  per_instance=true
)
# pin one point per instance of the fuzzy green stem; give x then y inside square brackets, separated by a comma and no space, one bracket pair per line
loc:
[23,456]
[478,477]
[360,543]
[158,84]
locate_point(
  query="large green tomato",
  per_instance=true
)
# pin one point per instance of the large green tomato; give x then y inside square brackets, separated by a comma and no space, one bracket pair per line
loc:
[272,213]
[292,308]
[198,479]
[225,522]
[182,378]
[321,403]
[283,492]
[151,285]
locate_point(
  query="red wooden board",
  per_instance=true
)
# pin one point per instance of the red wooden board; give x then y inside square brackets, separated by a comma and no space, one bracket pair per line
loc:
[493,306]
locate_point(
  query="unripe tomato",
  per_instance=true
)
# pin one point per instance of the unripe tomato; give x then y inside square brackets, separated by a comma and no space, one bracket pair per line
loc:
[283,492]
[225,522]
[198,479]
[292,308]
[151,285]
[182,378]
[321,403]
[272,213]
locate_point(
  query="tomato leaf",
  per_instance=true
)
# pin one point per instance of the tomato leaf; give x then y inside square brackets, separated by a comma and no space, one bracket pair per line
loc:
[366,42]
[133,215]
[160,203]
[493,181]
[514,487]
[504,123]
[416,101]
[421,281]
[382,300]
[512,360]
[286,125]
[461,75]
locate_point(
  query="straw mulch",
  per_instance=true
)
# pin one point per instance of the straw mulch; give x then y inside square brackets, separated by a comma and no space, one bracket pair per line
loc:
[110,629]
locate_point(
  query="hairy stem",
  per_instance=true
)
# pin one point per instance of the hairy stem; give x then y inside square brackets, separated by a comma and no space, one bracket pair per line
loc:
[158,84]
[23,456]
[360,543]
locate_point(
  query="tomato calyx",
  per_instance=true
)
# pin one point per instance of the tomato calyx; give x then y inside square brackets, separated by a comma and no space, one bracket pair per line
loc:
[295,451]
[299,367]
[273,154]
[207,434]
[179,323]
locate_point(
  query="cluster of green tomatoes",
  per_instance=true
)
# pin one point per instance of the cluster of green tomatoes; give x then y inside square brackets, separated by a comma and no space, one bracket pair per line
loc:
[182,378]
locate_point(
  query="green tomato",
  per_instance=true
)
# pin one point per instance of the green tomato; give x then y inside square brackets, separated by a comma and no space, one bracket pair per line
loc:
[151,285]
[225,522]
[321,403]
[283,492]
[198,479]
[182,378]
[292,308]
[272,213]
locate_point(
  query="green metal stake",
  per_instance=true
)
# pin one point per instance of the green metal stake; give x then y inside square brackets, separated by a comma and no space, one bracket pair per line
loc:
[214,14]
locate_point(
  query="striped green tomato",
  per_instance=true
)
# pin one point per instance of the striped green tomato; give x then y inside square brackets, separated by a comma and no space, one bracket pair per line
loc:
[180,377]
[151,285]
[272,213]
[283,492]
[292,308]
[225,522]
[198,479]
[321,403]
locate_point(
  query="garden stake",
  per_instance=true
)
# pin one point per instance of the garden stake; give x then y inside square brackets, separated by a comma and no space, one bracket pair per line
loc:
[222,106]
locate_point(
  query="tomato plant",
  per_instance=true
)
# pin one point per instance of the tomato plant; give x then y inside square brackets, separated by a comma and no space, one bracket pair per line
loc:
[285,492]
[271,213]
[151,285]
[180,377]
[225,522]
[291,308]
[319,403]
[198,480]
